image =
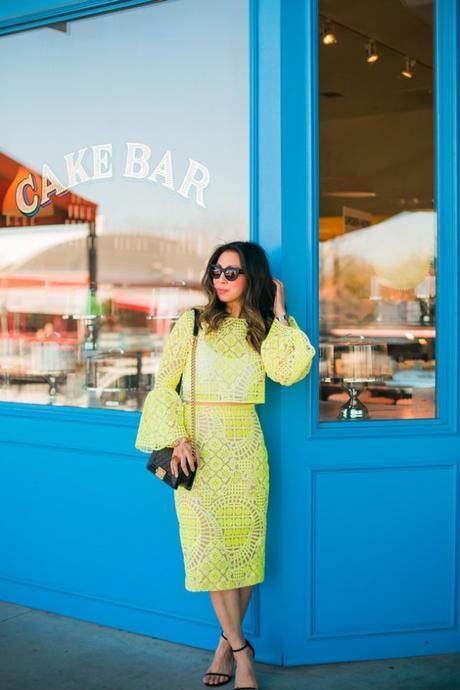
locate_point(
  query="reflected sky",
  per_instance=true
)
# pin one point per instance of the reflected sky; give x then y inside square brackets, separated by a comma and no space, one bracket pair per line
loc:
[173,75]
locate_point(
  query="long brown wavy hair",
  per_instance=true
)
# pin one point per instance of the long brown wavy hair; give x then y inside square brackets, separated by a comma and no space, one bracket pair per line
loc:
[258,297]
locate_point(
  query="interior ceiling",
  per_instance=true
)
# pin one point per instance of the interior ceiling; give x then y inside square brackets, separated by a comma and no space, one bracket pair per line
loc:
[376,126]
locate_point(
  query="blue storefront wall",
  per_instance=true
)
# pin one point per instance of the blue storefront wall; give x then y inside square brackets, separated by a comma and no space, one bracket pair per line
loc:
[87,533]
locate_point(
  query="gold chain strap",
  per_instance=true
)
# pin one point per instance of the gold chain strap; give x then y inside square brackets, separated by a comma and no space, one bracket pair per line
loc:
[194,339]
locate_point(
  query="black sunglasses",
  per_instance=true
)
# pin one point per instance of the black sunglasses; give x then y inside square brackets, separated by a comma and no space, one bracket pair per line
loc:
[230,272]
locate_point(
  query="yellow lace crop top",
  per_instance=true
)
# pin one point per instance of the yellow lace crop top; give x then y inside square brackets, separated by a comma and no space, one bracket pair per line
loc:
[228,369]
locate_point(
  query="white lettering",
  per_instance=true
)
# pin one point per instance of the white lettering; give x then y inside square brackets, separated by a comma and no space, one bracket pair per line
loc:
[29,198]
[189,180]
[102,161]
[50,185]
[21,199]
[164,169]
[75,169]
[141,161]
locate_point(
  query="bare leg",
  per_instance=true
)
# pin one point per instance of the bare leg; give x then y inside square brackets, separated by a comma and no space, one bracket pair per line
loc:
[223,657]
[245,596]
[230,606]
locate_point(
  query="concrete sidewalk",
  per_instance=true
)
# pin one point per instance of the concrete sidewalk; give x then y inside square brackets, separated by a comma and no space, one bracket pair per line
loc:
[44,651]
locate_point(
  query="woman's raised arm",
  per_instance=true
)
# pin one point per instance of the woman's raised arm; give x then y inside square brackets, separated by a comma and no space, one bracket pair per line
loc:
[287,352]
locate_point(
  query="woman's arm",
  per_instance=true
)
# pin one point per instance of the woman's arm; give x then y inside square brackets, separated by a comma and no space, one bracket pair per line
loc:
[287,352]
[162,419]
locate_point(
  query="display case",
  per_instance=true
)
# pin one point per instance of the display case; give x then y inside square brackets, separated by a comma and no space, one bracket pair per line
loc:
[378,290]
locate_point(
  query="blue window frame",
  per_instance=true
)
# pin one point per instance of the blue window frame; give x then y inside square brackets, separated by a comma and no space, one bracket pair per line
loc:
[300,189]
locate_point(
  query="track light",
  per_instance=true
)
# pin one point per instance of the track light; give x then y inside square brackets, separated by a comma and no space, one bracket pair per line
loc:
[327,36]
[409,64]
[371,52]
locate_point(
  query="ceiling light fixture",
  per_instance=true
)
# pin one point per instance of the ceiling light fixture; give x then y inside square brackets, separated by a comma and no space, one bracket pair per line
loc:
[371,52]
[327,35]
[409,64]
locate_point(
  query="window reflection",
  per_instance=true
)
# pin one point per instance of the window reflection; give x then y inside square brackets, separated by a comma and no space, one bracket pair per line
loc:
[135,168]
[377,216]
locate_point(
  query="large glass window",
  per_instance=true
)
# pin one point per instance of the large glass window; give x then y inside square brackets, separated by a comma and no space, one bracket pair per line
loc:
[124,160]
[377,210]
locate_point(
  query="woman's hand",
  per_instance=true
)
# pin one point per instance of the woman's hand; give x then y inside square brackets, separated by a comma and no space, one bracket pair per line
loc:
[279,306]
[184,451]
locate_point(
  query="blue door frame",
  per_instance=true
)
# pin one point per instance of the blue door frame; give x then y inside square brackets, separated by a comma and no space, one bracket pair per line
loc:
[337,587]
[371,529]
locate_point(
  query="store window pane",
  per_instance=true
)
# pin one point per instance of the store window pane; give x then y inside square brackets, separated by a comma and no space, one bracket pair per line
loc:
[123,162]
[377,210]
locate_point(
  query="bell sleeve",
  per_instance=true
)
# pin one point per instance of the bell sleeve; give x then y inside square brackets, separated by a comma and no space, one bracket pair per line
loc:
[286,352]
[162,418]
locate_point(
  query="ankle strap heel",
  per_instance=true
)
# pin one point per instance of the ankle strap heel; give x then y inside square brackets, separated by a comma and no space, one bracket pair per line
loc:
[246,644]
[240,648]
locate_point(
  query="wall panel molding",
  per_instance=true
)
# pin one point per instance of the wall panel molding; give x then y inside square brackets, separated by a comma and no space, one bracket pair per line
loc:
[381,538]
[250,625]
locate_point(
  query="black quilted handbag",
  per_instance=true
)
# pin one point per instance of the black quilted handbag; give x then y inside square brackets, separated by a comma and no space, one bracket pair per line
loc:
[160,460]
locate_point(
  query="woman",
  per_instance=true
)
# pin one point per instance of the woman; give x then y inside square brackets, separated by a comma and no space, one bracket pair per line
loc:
[244,334]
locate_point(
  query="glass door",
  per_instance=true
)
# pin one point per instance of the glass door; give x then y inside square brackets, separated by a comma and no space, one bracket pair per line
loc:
[370,439]
[377,213]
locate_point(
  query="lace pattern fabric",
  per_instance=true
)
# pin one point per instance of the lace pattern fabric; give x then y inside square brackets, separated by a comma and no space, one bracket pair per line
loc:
[228,369]
[222,520]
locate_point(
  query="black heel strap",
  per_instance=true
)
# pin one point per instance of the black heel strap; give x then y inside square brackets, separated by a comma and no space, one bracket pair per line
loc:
[240,648]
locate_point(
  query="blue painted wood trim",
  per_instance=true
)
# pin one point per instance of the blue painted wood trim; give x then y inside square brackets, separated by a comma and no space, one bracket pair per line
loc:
[266,184]
[253,121]
[446,95]
[36,13]
[447,200]
[92,431]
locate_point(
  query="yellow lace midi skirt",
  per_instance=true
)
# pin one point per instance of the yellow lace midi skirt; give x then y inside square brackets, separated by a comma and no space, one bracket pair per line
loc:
[222,519]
